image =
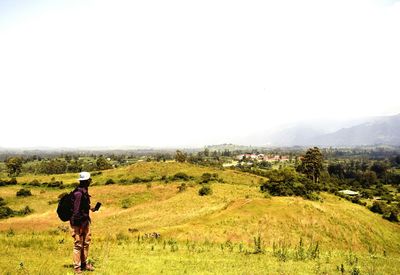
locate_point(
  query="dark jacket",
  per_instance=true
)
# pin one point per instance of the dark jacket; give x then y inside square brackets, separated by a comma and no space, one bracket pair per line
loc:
[81,203]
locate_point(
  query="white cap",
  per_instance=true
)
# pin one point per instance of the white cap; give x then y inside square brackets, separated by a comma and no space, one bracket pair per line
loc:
[84,176]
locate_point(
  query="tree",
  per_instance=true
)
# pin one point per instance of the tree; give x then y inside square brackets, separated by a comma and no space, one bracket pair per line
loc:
[379,168]
[287,182]
[367,178]
[180,156]
[311,164]
[102,163]
[336,169]
[14,166]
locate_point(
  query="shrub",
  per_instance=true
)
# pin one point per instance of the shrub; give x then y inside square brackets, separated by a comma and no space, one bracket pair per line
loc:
[24,193]
[12,181]
[378,207]
[313,197]
[356,199]
[2,202]
[5,212]
[27,210]
[55,184]
[205,191]
[139,180]
[287,182]
[182,187]
[181,176]
[35,182]
[123,181]
[109,181]
[393,216]
[126,203]
[96,173]
[207,177]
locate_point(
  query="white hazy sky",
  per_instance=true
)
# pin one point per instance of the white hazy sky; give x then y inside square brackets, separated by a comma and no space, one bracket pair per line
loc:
[189,73]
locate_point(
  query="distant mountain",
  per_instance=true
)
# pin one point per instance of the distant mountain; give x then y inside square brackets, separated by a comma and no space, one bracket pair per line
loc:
[298,135]
[383,130]
[364,131]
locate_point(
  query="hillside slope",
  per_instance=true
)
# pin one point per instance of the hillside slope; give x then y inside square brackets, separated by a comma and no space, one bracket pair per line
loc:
[236,212]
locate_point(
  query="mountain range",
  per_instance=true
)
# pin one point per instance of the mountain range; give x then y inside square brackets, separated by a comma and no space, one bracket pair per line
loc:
[372,131]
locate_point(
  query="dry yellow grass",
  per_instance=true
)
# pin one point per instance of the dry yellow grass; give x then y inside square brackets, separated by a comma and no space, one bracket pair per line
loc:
[236,212]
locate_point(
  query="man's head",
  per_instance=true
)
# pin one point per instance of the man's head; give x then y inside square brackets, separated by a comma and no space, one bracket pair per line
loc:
[84,179]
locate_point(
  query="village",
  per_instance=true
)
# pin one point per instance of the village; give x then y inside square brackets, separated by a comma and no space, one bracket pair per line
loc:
[262,157]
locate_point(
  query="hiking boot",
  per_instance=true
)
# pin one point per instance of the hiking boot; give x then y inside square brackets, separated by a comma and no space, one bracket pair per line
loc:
[88,267]
[77,270]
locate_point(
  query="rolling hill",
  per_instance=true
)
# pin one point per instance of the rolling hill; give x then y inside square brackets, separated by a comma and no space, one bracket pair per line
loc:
[231,217]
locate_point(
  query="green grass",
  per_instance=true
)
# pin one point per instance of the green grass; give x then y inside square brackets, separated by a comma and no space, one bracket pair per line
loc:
[199,234]
[49,253]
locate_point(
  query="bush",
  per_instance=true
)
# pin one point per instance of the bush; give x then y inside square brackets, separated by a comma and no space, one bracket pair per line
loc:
[96,173]
[24,193]
[2,202]
[35,182]
[313,197]
[12,181]
[139,180]
[393,216]
[356,199]
[27,210]
[182,187]
[55,184]
[378,207]
[180,176]
[207,177]
[109,181]
[205,191]
[6,212]
[126,203]
[287,182]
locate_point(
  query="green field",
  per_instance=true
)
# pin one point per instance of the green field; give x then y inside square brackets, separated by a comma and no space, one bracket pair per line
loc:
[236,230]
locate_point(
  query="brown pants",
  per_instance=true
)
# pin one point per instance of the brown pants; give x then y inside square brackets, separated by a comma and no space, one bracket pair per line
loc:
[82,239]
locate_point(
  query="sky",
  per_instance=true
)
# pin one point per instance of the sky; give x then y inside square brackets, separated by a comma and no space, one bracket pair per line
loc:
[190,73]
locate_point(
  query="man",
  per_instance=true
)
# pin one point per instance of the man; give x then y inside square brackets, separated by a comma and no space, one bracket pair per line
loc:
[80,221]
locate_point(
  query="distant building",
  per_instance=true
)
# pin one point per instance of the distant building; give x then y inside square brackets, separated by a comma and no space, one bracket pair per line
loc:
[262,157]
[349,192]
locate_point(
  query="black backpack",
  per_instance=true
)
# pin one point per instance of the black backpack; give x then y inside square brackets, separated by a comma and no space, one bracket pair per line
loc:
[65,207]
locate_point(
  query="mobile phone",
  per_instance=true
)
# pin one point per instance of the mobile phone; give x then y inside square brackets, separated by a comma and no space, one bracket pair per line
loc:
[96,208]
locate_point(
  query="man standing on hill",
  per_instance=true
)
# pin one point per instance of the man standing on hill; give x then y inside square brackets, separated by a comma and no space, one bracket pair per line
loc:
[80,221]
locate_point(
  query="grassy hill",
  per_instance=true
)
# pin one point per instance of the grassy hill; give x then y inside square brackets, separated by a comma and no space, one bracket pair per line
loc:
[209,234]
